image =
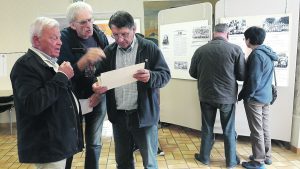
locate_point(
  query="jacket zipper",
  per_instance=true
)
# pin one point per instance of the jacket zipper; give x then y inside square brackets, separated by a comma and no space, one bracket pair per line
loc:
[76,129]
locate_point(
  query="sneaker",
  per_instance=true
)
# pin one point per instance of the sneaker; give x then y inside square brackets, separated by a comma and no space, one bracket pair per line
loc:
[267,160]
[197,157]
[253,165]
[160,152]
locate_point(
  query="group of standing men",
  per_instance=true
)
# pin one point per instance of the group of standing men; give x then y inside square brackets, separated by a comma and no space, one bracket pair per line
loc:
[49,117]
[48,113]
[217,66]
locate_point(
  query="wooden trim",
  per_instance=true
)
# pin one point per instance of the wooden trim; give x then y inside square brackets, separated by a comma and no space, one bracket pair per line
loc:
[295,150]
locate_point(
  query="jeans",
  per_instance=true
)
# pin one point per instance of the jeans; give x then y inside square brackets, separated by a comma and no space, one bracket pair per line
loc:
[258,120]
[93,133]
[126,133]
[227,115]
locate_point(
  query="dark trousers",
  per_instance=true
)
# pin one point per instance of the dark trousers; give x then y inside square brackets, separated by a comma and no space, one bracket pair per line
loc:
[227,115]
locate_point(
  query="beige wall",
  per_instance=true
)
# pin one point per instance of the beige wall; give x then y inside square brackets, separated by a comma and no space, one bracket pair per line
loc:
[17,15]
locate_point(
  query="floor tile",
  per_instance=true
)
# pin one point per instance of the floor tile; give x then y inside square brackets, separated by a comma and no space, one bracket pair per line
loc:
[179,144]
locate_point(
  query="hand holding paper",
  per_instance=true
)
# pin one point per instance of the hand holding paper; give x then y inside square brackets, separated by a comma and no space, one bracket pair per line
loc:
[94,100]
[123,76]
[99,89]
[142,75]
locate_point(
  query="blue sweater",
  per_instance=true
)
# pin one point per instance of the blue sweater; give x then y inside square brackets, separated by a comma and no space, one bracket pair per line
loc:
[259,75]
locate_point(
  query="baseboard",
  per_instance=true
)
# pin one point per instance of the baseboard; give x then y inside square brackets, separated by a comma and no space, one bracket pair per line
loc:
[295,150]
[8,124]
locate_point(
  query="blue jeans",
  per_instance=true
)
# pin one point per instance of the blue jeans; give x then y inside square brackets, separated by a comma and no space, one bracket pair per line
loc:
[126,133]
[227,115]
[93,133]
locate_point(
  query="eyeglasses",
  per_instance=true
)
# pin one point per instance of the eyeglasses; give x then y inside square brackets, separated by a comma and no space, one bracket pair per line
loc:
[84,22]
[118,36]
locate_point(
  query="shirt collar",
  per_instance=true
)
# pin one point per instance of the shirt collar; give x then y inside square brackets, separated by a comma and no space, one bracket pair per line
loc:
[50,61]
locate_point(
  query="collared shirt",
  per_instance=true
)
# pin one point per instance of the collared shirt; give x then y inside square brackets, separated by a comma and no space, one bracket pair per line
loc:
[51,62]
[126,96]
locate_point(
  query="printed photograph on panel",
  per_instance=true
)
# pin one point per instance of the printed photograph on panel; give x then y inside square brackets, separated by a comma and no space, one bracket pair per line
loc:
[279,24]
[182,65]
[165,40]
[282,61]
[237,26]
[200,32]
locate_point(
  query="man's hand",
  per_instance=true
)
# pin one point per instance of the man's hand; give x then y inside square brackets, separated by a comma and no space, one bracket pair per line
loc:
[99,89]
[67,69]
[142,75]
[94,100]
[92,56]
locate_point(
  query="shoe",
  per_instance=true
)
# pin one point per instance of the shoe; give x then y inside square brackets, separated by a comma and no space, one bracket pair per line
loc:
[267,160]
[160,152]
[253,165]
[238,160]
[197,157]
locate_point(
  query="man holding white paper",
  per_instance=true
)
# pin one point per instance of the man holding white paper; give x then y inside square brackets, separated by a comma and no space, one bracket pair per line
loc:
[133,108]
[119,77]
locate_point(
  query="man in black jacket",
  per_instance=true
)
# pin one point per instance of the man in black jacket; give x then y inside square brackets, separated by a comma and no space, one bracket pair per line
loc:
[82,46]
[47,111]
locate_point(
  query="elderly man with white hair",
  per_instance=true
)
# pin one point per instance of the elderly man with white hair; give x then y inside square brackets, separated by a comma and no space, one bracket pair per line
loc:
[47,112]
[82,47]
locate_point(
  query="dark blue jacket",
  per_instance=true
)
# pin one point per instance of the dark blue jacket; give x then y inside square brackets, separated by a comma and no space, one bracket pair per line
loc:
[72,50]
[148,106]
[48,122]
[259,75]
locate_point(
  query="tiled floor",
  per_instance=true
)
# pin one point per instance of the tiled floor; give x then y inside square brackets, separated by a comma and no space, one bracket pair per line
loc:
[178,143]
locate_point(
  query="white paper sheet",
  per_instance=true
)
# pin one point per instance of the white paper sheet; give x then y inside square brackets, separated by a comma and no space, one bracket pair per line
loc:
[85,108]
[119,77]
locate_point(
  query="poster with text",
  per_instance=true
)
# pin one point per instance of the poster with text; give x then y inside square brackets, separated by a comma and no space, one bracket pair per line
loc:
[277,29]
[178,43]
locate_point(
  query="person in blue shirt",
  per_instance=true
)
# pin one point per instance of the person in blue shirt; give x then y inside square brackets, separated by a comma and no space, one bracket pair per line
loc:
[257,95]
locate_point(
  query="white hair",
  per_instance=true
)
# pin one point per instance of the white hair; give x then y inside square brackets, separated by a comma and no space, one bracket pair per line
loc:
[39,25]
[75,8]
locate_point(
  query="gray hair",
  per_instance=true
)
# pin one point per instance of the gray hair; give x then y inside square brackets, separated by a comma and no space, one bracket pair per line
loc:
[39,24]
[75,8]
[221,27]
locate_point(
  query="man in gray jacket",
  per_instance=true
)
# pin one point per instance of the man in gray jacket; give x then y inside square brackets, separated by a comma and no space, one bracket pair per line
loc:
[218,65]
